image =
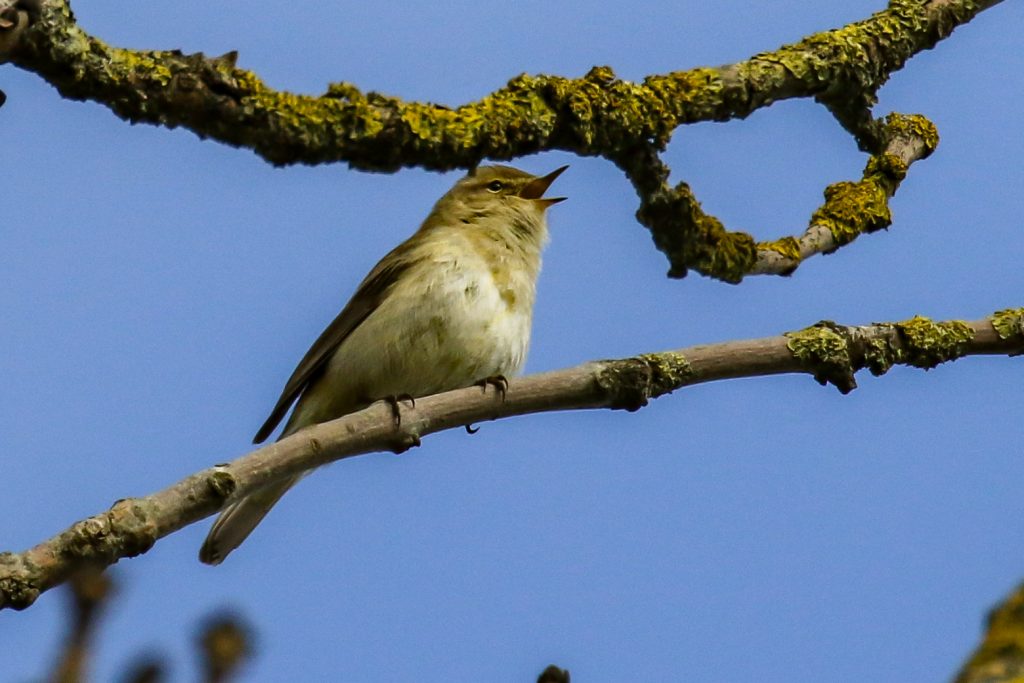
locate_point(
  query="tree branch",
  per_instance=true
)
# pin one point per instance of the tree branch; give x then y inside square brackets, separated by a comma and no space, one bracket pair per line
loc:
[852,209]
[597,115]
[90,591]
[830,352]
[1000,656]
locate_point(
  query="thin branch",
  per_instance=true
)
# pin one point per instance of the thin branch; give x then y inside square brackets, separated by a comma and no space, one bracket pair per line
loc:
[852,209]
[225,643]
[692,238]
[597,115]
[829,352]
[90,590]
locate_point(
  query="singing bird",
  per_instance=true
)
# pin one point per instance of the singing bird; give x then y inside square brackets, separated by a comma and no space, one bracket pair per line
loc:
[449,307]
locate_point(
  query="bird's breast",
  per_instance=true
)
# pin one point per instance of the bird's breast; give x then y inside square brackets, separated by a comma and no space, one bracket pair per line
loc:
[486,319]
[451,321]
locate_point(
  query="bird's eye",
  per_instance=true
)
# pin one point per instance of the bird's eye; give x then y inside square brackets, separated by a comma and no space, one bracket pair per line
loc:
[495,186]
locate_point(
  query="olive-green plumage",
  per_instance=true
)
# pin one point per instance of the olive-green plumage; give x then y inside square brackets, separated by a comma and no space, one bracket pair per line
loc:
[448,307]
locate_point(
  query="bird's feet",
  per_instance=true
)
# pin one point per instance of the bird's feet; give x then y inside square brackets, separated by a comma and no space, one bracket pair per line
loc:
[500,384]
[396,411]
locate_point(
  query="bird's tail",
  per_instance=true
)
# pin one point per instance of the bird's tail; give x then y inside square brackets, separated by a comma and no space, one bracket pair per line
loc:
[237,521]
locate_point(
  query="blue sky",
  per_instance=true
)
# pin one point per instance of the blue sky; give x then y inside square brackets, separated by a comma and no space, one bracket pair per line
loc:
[158,290]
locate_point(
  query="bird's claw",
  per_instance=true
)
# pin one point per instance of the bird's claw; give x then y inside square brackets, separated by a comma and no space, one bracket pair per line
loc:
[396,412]
[499,382]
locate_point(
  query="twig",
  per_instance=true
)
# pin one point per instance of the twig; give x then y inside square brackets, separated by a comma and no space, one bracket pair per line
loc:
[90,590]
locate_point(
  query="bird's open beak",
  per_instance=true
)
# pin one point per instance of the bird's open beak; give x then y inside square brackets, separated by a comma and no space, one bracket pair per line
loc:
[536,188]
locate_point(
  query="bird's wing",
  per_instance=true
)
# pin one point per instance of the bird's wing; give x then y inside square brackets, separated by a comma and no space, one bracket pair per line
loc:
[368,297]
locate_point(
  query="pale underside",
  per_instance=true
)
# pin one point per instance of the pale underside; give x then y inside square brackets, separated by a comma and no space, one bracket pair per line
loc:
[449,325]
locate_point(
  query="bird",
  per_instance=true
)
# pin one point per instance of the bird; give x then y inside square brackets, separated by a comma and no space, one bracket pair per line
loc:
[449,307]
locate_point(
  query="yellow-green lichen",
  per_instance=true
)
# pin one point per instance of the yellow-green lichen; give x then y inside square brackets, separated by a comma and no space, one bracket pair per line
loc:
[853,208]
[601,110]
[1001,653]
[137,65]
[879,356]
[623,383]
[1009,323]
[686,96]
[629,383]
[788,247]
[598,115]
[912,125]
[669,371]
[888,170]
[721,253]
[927,343]
[693,239]
[824,350]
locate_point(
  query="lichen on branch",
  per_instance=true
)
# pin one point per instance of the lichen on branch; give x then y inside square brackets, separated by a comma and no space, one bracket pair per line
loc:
[599,114]
[999,657]
[829,352]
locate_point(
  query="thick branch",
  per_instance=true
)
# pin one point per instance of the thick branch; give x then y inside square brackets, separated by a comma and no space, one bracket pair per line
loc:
[831,353]
[597,115]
